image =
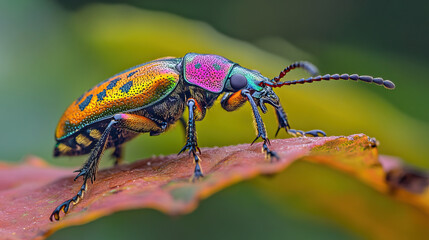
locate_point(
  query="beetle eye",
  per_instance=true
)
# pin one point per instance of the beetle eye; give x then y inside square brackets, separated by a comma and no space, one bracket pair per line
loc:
[238,81]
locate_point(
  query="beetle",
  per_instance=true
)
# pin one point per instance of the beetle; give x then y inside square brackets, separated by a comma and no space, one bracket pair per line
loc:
[151,97]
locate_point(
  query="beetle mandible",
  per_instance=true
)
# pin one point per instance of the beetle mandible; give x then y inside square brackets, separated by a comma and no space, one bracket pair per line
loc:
[153,96]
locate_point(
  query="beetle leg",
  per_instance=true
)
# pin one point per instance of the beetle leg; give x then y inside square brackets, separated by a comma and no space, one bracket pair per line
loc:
[118,154]
[88,171]
[232,101]
[281,119]
[191,141]
[283,123]
[260,127]
[130,122]
[137,123]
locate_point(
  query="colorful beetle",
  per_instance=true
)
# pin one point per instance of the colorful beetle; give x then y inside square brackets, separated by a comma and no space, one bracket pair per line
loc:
[153,96]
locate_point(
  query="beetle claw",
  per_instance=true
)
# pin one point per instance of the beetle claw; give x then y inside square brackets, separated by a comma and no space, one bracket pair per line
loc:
[271,155]
[316,133]
[197,176]
[65,206]
[197,171]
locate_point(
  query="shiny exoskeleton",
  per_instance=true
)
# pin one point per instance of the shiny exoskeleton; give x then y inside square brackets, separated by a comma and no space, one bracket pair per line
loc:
[151,97]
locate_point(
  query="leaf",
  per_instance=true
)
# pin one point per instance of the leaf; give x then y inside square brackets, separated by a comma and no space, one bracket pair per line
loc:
[30,191]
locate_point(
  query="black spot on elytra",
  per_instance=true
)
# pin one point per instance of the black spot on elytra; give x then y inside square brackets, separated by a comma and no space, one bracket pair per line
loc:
[216,66]
[101,95]
[131,73]
[126,87]
[112,84]
[85,102]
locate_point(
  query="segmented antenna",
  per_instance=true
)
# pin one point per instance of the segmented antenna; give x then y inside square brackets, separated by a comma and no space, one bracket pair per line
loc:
[310,68]
[379,81]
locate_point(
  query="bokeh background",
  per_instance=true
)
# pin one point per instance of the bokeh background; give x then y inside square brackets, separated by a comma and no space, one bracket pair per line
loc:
[52,51]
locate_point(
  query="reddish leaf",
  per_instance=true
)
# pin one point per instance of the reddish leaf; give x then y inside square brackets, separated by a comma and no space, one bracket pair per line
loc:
[30,191]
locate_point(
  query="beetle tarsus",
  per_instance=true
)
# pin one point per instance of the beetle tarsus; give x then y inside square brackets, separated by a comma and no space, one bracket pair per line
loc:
[198,173]
[269,154]
[56,213]
[316,133]
[65,206]
[296,133]
[300,133]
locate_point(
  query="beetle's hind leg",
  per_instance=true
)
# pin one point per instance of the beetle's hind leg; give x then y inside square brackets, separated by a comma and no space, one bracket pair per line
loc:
[195,113]
[88,172]
[283,123]
[130,122]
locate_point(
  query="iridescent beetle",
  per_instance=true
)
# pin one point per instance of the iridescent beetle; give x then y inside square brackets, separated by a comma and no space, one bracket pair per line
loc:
[153,96]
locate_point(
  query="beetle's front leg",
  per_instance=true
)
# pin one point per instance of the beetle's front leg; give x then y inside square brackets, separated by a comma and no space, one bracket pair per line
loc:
[195,113]
[283,123]
[260,127]
[232,101]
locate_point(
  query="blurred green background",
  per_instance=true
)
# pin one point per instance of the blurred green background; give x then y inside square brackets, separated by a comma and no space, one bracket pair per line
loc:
[52,51]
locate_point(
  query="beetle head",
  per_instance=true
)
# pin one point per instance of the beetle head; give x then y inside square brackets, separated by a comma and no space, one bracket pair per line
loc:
[241,78]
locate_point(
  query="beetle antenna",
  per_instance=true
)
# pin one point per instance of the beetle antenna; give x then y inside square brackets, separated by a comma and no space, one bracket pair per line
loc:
[310,68]
[379,81]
